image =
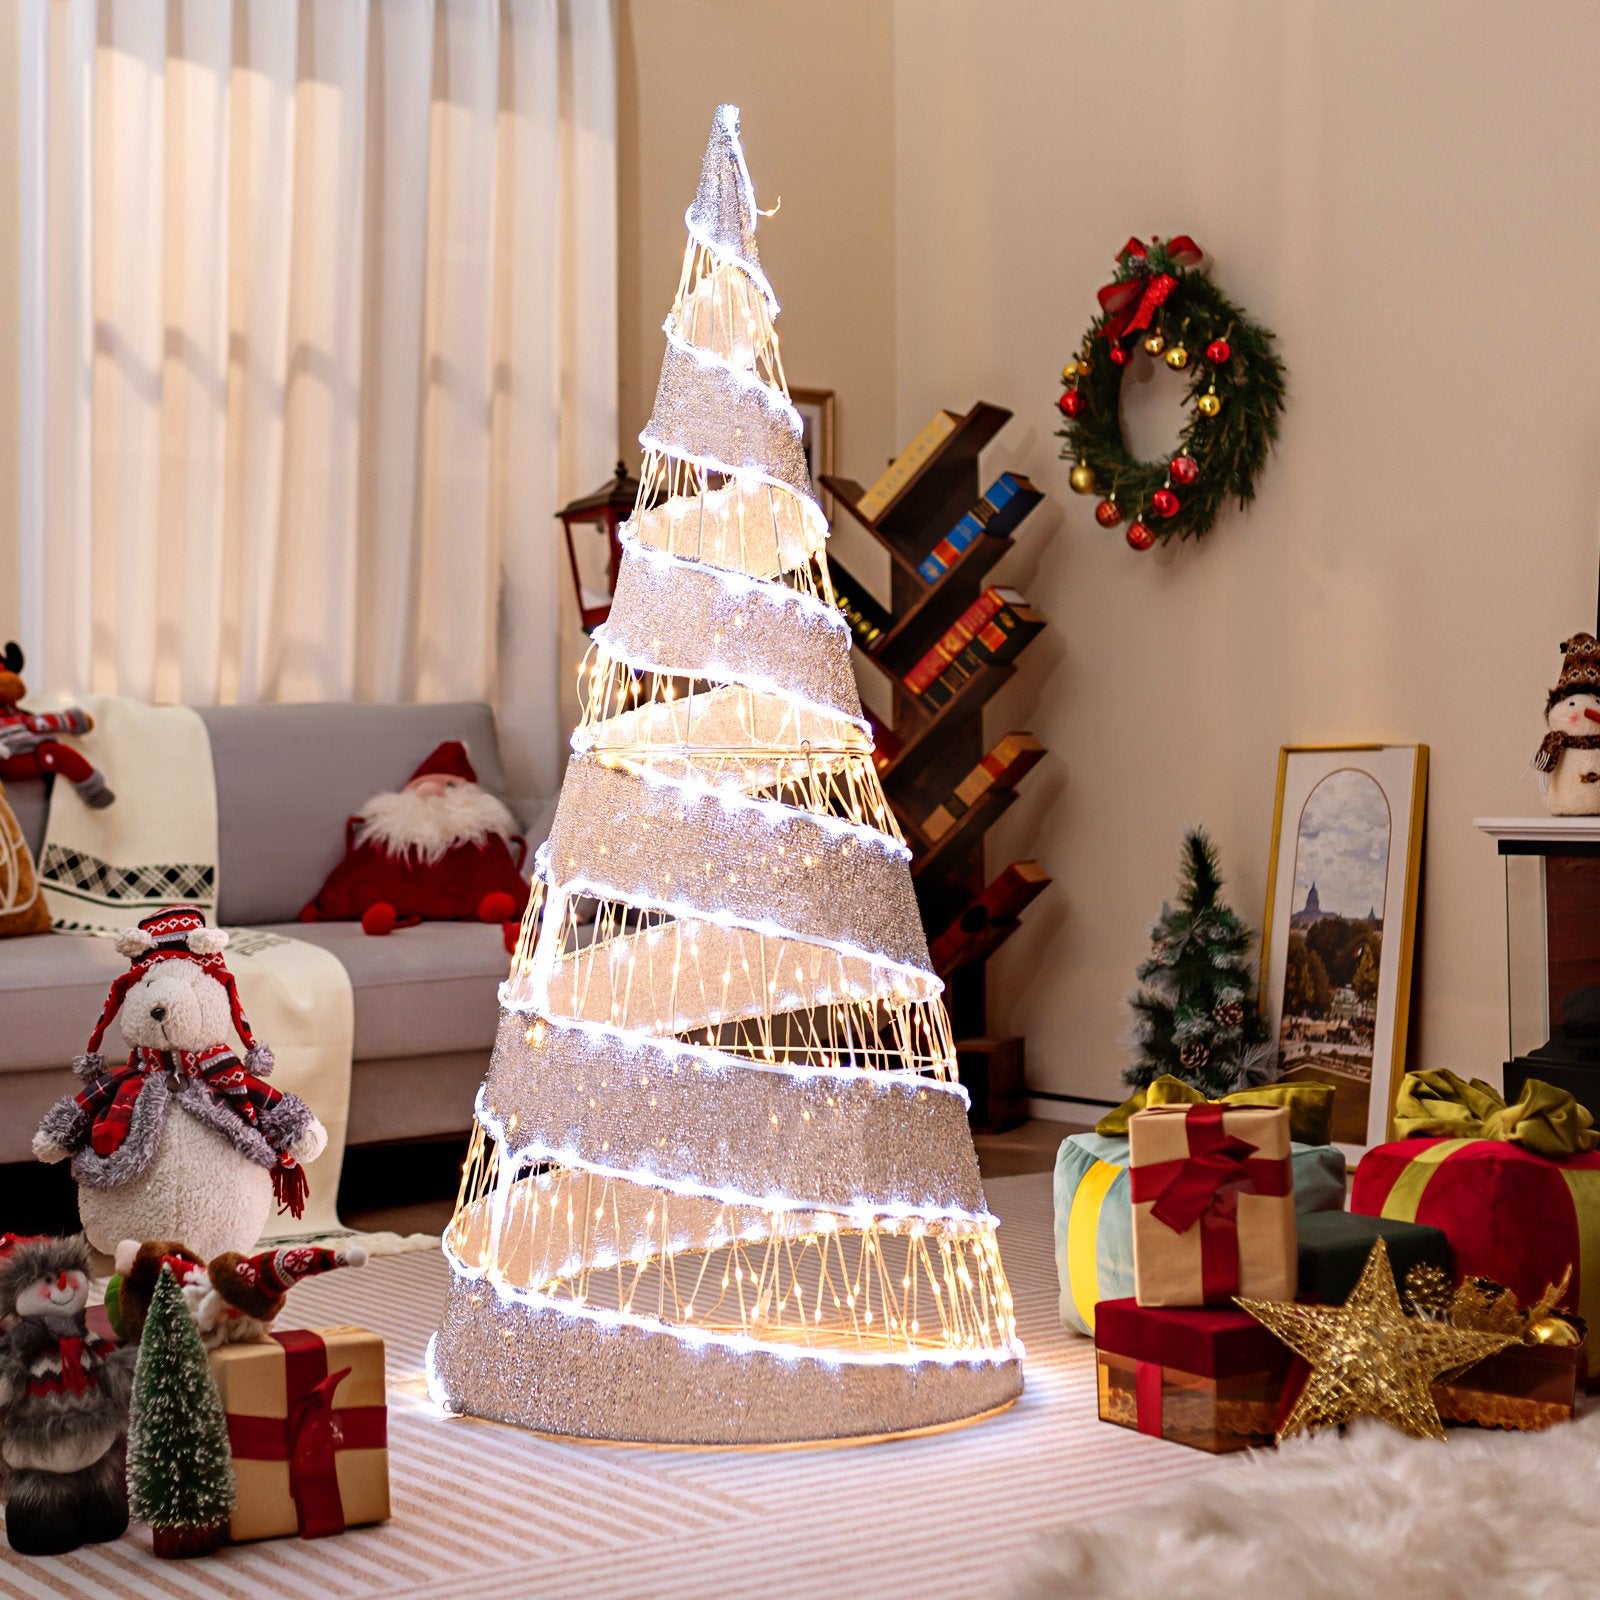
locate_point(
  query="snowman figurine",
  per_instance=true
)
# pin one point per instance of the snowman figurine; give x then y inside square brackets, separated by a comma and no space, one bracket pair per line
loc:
[1569,755]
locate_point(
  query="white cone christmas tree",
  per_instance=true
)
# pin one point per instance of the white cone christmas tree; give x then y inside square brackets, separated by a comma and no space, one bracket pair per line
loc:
[722,1188]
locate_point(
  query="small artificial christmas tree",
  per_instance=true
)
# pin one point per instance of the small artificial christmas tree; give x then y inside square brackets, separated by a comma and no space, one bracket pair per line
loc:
[180,1469]
[1195,1015]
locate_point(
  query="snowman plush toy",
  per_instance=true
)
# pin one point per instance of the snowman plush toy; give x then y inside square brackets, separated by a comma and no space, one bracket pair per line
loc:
[1568,759]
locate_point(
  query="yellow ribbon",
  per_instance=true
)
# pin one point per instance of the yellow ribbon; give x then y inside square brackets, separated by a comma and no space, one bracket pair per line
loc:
[1546,1120]
[1310,1106]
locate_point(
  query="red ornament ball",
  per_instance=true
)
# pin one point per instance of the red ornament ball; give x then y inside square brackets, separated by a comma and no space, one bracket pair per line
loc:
[1119,356]
[1108,513]
[1071,403]
[1184,469]
[1165,503]
[1139,536]
[379,920]
[1218,351]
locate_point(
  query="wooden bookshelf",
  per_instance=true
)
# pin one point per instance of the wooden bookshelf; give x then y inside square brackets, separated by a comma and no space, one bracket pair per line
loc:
[942,744]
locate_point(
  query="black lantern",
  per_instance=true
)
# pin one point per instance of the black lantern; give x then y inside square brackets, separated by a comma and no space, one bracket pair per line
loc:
[593,547]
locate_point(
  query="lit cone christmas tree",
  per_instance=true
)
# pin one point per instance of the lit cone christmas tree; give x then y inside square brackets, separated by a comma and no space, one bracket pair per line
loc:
[721,1189]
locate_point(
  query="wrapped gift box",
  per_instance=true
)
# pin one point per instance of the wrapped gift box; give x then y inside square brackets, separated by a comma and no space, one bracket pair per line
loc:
[1511,1215]
[308,1425]
[1094,1216]
[1212,1380]
[1528,1387]
[1213,1204]
[1333,1247]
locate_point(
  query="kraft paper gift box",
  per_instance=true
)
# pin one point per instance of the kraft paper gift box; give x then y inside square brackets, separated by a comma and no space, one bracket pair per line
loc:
[1212,1380]
[308,1426]
[1094,1216]
[1213,1204]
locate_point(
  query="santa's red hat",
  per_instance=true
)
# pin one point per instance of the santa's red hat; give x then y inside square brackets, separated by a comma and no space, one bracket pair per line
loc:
[448,761]
[176,933]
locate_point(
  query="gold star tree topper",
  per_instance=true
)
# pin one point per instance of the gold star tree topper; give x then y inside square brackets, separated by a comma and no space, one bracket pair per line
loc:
[1368,1358]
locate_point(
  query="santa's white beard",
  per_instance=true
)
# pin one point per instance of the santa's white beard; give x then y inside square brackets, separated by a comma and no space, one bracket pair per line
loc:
[427,825]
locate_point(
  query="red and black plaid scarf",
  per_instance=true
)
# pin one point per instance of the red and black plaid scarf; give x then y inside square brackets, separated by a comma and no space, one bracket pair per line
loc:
[108,1101]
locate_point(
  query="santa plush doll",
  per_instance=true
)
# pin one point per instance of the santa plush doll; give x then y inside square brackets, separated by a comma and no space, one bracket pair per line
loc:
[441,849]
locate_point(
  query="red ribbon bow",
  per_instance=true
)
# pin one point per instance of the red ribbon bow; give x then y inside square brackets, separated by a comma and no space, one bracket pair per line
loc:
[1210,1180]
[311,1434]
[1130,303]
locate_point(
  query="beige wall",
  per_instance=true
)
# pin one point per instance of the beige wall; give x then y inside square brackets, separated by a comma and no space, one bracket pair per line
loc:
[1407,194]
[813,81]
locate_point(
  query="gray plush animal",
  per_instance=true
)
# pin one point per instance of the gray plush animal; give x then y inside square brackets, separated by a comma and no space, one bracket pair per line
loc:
[63,1403]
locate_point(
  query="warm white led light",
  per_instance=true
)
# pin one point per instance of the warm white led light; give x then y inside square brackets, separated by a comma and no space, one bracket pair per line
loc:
[722,1124]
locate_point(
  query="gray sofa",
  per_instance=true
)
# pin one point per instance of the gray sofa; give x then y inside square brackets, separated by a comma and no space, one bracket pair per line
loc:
[287,777]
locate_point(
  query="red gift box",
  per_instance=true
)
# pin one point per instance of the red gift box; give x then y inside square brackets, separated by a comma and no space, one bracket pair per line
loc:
[1518,1218]
[1212,1380]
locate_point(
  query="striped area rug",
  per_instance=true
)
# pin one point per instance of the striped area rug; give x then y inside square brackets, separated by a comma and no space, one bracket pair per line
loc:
[484,1512]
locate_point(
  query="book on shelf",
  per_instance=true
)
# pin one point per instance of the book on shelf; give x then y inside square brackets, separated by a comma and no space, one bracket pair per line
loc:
[1003,506]
[959,635]
[868,620]
[886,743]
[998,640]
[1012,758]
[1012,496]
[905,466]
[966,532]
[991,918]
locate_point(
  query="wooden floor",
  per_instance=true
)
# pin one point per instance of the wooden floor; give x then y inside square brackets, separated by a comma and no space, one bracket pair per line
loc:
[412,1188]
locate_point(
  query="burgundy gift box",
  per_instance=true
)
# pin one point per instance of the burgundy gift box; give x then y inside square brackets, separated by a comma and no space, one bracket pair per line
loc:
[1212,1380]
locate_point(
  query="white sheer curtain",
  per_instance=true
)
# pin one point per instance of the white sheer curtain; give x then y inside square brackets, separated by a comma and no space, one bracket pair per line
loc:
[319,308]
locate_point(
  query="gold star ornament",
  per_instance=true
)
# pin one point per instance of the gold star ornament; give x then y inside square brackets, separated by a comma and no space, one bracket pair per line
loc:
[1368,1358]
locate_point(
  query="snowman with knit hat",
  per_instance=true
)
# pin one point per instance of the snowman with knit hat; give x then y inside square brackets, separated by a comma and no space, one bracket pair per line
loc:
[1568,758]
[184,1141]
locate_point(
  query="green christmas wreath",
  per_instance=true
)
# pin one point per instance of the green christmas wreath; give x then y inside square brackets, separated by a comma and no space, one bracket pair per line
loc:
[1160,301]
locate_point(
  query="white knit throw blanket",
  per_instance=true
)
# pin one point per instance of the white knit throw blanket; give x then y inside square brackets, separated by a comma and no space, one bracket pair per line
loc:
[157,846]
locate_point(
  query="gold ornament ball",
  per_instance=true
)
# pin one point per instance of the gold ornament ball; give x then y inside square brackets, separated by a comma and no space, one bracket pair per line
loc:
[1154,343]
[1070,371]
[1209,405]
[1082,479]
[1177,358]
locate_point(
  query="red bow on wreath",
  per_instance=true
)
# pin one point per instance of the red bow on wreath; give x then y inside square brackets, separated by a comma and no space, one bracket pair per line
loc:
[1130,303]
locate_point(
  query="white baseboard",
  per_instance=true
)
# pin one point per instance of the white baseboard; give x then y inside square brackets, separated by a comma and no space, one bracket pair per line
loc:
[1067,1108]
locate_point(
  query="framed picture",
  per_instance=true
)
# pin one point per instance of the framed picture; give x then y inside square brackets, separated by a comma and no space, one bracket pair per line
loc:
[1341,924]
[816,439]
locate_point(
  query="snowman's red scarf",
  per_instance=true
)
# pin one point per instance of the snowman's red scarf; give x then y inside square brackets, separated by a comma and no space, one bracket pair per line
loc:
[1551,746]
[107,1108]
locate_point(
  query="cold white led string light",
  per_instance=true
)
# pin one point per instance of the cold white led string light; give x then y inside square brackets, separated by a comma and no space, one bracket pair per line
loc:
[558,1245]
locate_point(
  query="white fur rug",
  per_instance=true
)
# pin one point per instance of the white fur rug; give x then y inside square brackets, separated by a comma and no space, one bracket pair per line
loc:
[1487,1516]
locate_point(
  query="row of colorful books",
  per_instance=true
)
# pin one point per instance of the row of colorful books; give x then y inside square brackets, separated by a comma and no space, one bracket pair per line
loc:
[991,631]
[996,515]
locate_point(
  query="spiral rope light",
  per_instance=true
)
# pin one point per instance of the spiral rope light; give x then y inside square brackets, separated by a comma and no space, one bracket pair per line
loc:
[721,1188]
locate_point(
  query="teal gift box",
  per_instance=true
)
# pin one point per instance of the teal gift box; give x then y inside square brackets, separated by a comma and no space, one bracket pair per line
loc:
[1094,1216]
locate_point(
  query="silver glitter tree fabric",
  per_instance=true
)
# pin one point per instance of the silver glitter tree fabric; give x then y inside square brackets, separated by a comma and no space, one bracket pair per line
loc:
[722,1190]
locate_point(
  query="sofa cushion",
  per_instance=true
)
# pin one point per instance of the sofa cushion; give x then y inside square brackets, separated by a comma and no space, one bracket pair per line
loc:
[52,986]
[420,992]
[289,776]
